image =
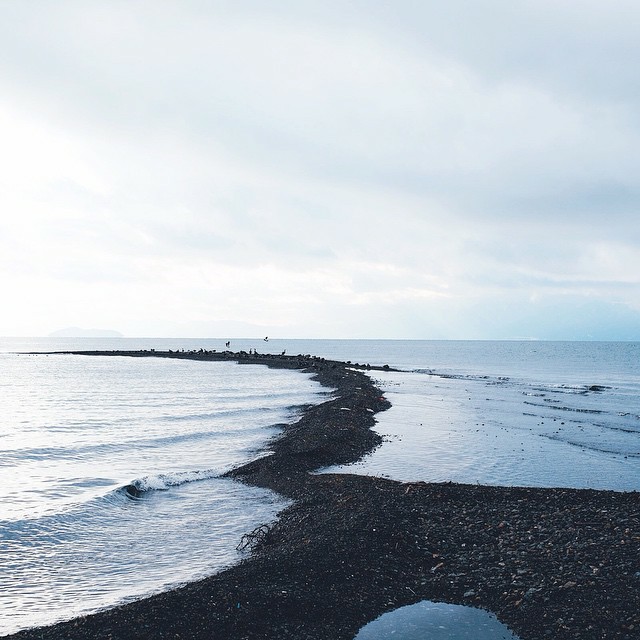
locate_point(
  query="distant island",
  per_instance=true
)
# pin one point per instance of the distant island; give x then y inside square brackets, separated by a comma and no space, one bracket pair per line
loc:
[77,332]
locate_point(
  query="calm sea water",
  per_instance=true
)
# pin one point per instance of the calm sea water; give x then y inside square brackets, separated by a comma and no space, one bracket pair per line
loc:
[513,413]
[75,430]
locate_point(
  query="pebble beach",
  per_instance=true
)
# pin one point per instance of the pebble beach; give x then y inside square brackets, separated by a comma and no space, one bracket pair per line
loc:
[557,563]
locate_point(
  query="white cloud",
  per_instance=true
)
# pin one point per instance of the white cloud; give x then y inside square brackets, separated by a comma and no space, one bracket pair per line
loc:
[173,167]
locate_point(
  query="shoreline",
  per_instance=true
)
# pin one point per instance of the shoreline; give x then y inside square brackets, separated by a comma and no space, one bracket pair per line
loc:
[557,563]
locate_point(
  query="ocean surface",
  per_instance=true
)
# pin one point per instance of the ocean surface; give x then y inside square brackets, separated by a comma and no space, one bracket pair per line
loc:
[513,413]
[76,430]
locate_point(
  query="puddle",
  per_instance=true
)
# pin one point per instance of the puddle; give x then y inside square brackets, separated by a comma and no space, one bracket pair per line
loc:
[436,621]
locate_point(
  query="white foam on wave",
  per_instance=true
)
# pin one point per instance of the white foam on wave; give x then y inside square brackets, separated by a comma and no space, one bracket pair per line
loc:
[163,481]
[116,550]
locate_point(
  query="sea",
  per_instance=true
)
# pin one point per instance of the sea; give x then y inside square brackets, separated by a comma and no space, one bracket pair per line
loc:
[76,431]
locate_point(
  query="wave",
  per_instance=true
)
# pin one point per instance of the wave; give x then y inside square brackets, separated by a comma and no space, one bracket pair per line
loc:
[82,451]
[463,376]
[227,413]
[75,514]
[164,481]
[592,447]
[572,389]
[557,408]
[580,389]
[47,453]
[613,427]
[627,414]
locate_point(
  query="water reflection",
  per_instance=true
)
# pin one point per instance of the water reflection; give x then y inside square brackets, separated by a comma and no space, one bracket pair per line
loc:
[436,621]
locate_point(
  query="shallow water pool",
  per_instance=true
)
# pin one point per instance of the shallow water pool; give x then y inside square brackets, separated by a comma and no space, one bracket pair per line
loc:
[428,620]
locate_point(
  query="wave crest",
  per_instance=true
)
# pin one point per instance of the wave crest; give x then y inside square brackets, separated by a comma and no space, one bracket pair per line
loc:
[164,481]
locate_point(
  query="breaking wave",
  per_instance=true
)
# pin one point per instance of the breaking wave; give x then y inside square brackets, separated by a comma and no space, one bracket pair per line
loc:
[164,481]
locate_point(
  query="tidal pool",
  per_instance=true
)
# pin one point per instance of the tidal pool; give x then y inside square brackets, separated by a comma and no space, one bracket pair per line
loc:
[436,621]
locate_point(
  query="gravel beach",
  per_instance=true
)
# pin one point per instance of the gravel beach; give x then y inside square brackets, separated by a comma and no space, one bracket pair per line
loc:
[550,563]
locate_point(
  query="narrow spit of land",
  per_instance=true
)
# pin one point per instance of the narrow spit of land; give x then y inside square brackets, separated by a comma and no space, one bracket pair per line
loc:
[550,563]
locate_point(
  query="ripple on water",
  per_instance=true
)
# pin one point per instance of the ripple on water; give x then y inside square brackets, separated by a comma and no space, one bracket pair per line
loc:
[116,548]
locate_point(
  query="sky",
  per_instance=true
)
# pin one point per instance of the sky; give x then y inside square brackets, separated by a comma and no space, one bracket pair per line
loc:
[332,169]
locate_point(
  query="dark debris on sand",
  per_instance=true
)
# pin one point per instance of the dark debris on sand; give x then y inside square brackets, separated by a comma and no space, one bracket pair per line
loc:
[550,563]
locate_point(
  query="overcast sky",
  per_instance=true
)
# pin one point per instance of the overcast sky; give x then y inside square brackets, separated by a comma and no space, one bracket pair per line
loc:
[355,169]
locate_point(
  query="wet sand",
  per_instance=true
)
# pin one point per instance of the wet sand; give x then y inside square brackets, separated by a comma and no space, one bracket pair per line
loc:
[550,563]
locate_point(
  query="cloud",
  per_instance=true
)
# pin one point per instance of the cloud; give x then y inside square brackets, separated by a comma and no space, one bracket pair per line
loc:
[327,168]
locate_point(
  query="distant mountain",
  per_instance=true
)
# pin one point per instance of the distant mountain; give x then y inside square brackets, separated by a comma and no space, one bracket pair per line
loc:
[77,332]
